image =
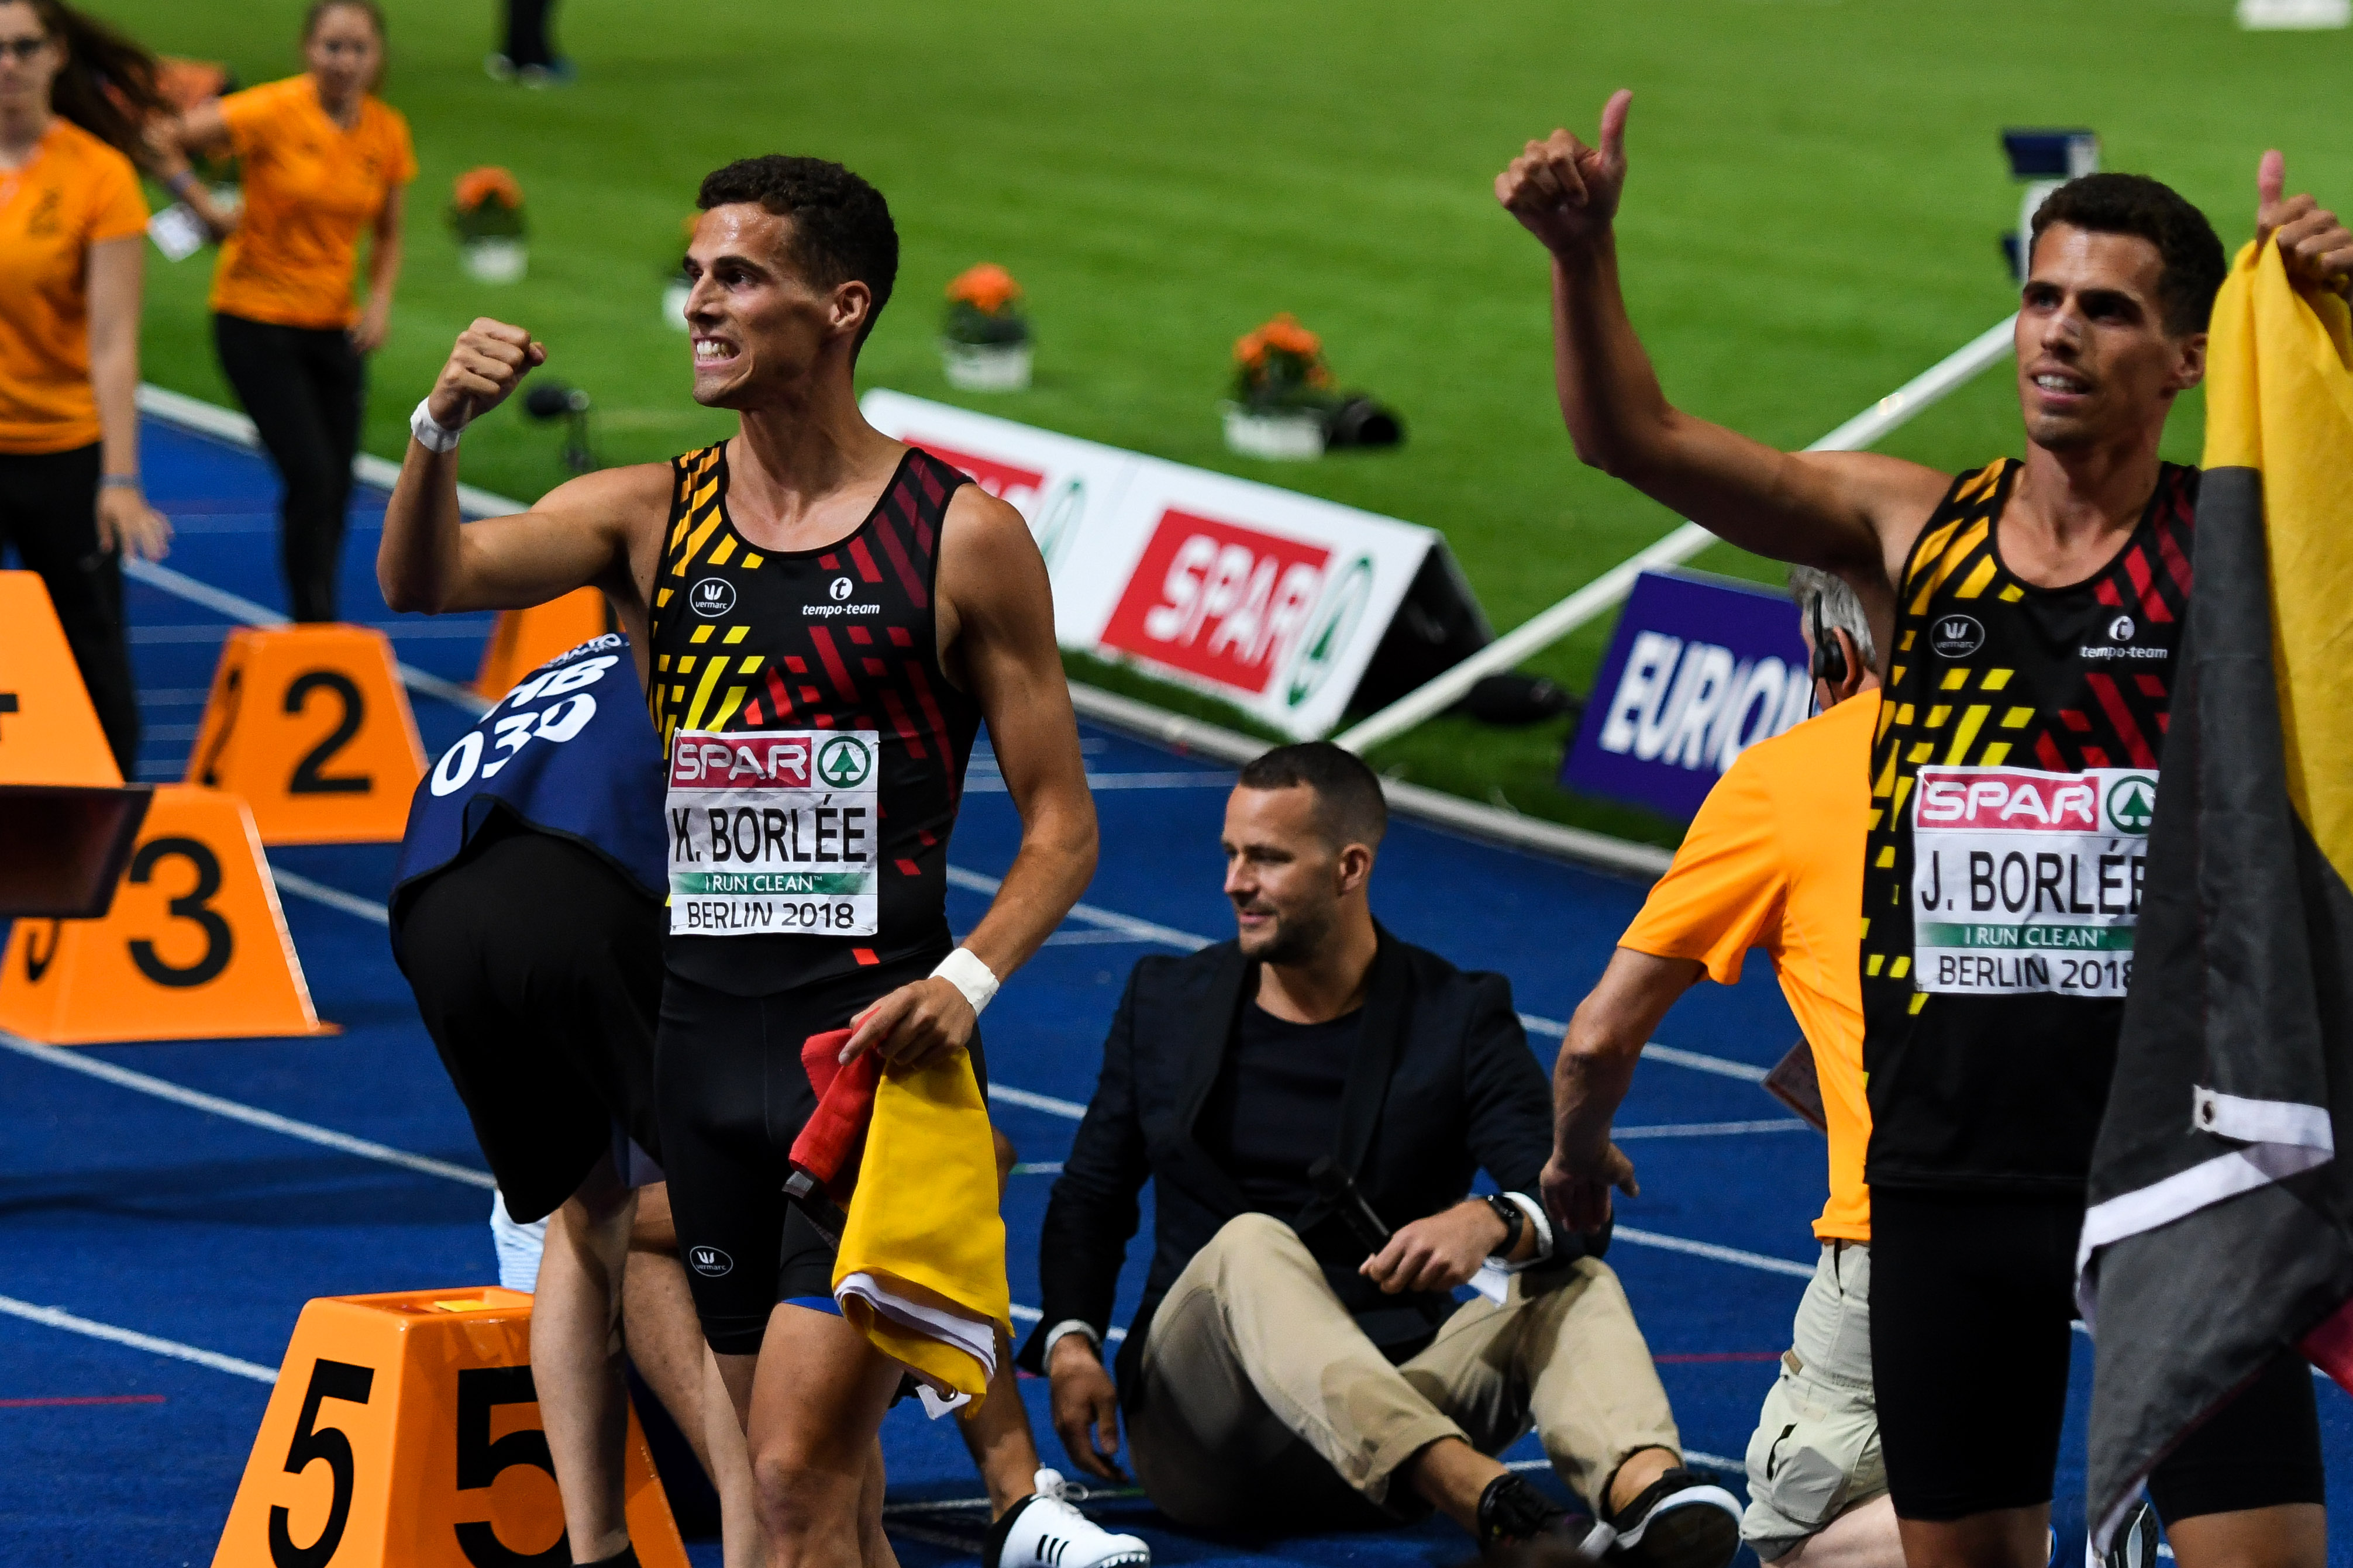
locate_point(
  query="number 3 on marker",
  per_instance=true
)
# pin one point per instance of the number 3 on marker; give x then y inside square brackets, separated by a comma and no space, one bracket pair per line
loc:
[328,1379]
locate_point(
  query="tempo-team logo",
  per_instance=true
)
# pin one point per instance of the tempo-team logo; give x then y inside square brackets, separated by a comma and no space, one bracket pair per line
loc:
[712,597]
[1958,636]
[1221,600]
[844,762]
[2121,629]
[840,590]
[707,1261]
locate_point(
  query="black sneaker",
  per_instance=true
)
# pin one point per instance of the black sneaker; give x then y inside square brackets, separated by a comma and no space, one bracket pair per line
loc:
[1683,1519]
[2135,1545]
[1520,1526]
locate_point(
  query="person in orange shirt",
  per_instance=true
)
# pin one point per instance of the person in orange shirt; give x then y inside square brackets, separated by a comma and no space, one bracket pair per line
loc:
[73,94]
[1774,859]
[325,160]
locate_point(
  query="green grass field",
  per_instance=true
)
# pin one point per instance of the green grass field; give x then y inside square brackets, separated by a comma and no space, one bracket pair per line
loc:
[1811,220]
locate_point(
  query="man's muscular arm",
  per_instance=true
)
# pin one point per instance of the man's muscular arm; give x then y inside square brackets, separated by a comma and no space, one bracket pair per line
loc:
[1596,1067]
[1850,512]
[997,632]
[577,535]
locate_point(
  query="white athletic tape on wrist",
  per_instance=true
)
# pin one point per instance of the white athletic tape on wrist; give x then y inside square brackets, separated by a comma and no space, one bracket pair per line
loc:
[430,433]
[969,975]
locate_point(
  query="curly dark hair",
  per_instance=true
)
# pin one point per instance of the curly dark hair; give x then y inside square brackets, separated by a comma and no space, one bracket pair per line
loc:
[2137,204]
[842,229]
[108,86]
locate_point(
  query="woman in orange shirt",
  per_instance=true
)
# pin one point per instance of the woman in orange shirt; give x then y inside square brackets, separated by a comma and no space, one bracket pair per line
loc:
[324,159]
[73,94]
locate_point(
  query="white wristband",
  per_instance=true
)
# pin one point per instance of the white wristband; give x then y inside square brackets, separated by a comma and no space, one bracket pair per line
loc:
[969,975]
[430,433]
[1063,1329]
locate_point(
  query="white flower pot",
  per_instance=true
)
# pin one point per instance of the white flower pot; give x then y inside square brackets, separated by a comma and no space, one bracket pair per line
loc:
[1286,436]
[674,305]
[986,367]
[495,260]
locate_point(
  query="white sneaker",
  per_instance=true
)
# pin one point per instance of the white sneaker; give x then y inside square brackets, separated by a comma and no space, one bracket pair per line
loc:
[1044,1531]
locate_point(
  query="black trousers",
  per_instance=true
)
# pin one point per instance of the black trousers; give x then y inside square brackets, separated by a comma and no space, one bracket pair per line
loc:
[527,41]
[305,388]
[48,511]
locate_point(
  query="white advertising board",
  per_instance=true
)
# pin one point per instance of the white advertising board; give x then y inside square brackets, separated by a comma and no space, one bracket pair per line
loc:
[1271,600]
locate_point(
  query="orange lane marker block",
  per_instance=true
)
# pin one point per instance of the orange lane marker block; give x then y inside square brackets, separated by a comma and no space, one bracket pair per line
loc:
[405,1431]
[49,732]
[310,724]
[195,946]
[526,640]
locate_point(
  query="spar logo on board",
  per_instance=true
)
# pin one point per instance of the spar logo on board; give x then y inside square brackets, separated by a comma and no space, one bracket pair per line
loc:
[2015,801]
[1223,601]
[1051,518]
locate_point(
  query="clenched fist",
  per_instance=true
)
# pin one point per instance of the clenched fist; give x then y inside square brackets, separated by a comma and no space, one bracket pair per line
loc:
[1566,193]
[489,361]
[2313,244]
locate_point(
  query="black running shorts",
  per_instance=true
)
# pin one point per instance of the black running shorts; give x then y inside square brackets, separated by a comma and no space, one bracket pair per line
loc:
[1971,1302]
[538,969]
[733,1096]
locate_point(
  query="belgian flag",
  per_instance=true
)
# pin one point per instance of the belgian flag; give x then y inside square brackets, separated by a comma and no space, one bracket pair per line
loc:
[2221,1226]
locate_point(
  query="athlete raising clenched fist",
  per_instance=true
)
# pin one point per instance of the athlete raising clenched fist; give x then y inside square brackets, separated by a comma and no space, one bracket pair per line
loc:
[823,617]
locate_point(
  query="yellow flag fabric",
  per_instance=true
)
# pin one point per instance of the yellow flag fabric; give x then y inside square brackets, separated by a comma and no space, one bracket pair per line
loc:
[925,1231]
[2279,399]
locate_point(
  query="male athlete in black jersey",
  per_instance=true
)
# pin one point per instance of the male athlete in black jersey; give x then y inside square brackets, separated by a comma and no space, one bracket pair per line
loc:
[826,616]
[2031,612]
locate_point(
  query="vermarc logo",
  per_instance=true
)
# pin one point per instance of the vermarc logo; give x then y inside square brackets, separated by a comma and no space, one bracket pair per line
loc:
[1956,636]
[707,1261]
[712,597]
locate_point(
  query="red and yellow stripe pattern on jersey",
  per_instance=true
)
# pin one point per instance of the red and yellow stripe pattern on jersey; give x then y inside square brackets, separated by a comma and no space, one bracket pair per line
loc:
[841,638]
[1990,670]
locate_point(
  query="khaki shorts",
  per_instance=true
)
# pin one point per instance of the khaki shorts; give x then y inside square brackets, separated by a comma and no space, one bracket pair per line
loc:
[1816,1450]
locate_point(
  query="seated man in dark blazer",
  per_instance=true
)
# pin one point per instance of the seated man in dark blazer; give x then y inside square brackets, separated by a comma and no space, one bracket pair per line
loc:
[1282,1374]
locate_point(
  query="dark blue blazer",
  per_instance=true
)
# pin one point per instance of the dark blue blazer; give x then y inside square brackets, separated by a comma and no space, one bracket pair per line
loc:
[1443,1084]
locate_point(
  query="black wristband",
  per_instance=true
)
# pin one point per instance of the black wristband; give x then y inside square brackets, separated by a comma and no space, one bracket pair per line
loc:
[1515,1218]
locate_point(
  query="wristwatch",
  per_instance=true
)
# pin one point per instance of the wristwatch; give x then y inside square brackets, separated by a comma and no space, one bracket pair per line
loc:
[1515,1220]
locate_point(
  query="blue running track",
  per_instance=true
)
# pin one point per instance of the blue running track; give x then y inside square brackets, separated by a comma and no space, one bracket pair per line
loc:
[154,1249]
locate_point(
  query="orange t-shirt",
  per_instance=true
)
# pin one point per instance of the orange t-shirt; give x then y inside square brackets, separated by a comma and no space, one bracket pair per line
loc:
[310,186]
[1774,859]
[76,192]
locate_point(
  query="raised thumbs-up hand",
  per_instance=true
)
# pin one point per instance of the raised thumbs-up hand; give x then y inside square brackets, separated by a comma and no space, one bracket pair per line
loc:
[2313,244]
[1566,193]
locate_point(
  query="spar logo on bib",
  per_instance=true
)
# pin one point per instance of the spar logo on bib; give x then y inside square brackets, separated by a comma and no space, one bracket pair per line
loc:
[758,762]
[1223,601]
[1990,798]
[844,762]
[2132,804]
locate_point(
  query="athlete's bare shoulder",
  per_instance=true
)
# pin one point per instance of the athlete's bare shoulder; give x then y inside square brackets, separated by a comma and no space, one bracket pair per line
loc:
[1892,497]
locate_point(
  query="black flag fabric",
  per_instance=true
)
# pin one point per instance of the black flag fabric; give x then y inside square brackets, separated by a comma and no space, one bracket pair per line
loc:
[2220,1230]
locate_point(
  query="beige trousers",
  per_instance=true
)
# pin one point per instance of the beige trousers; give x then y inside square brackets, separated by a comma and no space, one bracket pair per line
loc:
[1260,1401]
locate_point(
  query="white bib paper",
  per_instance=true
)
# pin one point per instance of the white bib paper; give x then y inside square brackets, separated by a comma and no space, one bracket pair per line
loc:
[774,832]
[2026,881]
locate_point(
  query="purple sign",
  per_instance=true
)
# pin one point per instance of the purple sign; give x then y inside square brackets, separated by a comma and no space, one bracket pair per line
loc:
[1700,668]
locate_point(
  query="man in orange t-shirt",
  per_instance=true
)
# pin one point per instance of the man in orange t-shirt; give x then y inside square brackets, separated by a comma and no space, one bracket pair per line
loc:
[1774,859]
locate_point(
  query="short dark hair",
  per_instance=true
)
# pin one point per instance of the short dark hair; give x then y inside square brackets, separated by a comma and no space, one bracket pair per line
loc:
[842,231]
[1347,793]
[2137,204]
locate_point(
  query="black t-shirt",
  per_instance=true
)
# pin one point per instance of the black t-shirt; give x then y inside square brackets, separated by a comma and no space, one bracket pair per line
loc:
[2012,782]
[1275,1107]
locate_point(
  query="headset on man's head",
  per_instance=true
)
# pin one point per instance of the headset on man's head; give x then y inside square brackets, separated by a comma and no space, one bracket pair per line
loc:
[1830,654]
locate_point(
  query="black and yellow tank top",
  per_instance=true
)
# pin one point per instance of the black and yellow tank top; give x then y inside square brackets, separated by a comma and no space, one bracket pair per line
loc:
[2013,777]
[815,750]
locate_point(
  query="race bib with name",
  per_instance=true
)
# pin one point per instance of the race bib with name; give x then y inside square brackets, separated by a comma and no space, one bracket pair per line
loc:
[2026,881]
[773,832]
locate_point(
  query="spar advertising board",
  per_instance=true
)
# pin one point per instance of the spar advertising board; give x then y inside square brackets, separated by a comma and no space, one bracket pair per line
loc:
[1700,668]
[1279,602]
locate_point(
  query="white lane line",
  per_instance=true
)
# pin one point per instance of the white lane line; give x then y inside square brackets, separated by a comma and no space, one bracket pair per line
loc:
[1711,1250]
[1038,1168]
[1719,1461]
[1045,1102]
[993,783]
[52,1317]
[334,898]
[1709,1128]
[1108,920]
[239,608]
[252,1115]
